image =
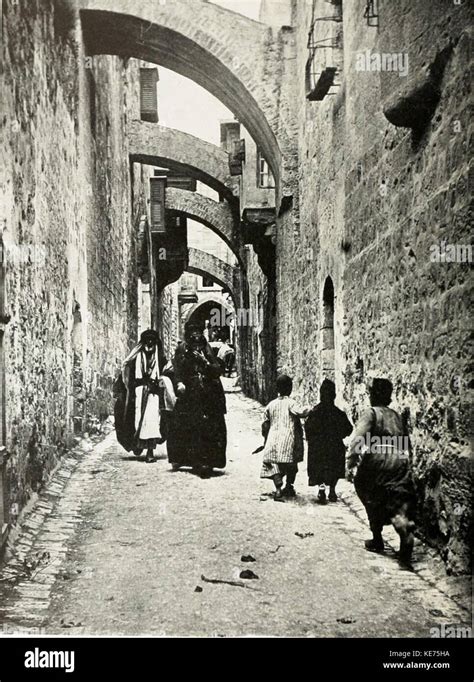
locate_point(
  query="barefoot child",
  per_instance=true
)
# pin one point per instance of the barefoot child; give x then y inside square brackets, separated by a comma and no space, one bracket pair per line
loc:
[284,441]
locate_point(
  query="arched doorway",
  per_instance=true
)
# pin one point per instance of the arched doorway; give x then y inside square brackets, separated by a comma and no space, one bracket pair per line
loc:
[217,319]
[327,330]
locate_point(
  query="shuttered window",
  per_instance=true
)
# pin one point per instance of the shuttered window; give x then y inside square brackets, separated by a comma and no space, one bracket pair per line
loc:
[237,157]
[148,95]
[157,205]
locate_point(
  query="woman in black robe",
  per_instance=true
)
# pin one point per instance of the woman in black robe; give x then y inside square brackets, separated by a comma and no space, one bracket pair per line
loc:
[197,435]
[379,460]
[325,428]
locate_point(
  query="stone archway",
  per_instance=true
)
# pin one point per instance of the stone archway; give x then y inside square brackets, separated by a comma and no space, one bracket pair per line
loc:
[234,58]
[207,265]
[211,296]
[216,215]
[211,306]
[157,145]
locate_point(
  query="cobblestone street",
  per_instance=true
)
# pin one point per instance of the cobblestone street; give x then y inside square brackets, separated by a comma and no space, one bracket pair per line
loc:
[117,546]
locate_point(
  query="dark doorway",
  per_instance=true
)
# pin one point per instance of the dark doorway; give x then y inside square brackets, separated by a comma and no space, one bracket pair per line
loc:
[327,330]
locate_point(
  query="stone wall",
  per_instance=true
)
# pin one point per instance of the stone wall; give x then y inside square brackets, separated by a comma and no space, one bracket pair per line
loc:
[256,326]
[374,201]
[112,299]
[406,190]
[169,319]
[67,230]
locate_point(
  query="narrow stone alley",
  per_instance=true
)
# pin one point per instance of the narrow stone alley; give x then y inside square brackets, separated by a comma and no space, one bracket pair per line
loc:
[271,194]
[116,546]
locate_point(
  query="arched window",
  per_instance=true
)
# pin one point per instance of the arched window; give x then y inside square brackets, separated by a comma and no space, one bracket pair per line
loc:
[327,329]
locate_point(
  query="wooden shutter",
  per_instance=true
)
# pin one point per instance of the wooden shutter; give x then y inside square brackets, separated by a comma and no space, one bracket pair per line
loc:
[157,205]
[177,244]
[230,131]
[148,95]
[237,157]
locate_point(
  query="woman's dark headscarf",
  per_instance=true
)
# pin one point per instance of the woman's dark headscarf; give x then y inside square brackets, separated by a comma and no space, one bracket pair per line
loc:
[149,336]
[193,335]
[381,392]
[327,392]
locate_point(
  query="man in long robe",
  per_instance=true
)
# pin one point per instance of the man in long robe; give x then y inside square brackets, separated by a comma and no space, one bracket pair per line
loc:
[137,409]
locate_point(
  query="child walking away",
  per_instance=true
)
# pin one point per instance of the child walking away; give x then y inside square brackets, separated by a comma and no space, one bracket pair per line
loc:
[325,428]
[284,439]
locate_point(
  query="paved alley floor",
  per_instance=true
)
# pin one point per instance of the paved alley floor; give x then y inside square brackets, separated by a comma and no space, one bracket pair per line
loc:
[129,548]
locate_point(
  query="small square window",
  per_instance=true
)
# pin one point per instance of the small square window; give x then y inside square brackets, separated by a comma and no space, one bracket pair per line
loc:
[207,283]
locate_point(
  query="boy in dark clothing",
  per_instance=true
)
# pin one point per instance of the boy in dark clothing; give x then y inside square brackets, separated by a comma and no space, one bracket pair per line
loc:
[325,428]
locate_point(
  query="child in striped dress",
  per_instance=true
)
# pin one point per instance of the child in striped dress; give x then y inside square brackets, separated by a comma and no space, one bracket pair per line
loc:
[284,439]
